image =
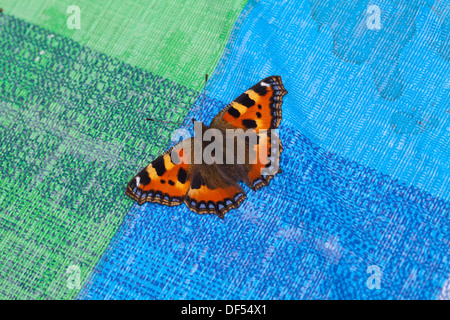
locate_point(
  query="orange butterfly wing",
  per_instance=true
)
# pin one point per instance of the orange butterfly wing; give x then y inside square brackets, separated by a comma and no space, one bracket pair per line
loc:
[265,168]
[258,108]
[213,192]
[166,180]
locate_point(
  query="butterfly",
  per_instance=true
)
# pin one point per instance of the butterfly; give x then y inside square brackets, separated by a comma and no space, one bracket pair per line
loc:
[212,188]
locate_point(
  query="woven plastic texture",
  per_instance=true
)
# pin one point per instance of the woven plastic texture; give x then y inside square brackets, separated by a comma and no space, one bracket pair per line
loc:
[178,40]
[361,209]
[72,129]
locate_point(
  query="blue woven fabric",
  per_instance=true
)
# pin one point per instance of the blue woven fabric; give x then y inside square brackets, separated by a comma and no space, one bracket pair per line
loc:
[365,180]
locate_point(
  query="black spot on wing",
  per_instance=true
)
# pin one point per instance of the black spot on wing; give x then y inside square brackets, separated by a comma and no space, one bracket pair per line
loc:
[143,176]
[234,112]
[249,123]
[159,166]
[197,181]
[259,89]
[245,100]
[182,175]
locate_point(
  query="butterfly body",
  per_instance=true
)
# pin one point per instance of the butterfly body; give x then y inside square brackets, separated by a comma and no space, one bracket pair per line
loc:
[203,171]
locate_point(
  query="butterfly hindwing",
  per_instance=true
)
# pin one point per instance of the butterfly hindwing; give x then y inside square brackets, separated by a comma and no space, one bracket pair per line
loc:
[257,108]
[213,192]
[262,165]
[166,180]
[263,170]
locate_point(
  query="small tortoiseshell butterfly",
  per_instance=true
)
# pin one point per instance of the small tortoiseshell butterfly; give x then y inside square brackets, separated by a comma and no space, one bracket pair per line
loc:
[214,188]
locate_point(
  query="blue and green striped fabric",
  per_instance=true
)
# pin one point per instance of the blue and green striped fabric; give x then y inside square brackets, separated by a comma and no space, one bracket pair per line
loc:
[360,211]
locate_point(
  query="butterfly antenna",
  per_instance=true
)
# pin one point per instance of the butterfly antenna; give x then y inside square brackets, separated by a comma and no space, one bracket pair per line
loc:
[150,119]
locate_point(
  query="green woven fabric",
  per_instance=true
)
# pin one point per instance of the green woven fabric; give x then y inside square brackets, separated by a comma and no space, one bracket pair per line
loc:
[179,40]
[72,134]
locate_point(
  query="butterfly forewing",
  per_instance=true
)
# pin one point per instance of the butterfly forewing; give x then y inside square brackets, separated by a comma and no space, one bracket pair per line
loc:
[166,180]
[257,108]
